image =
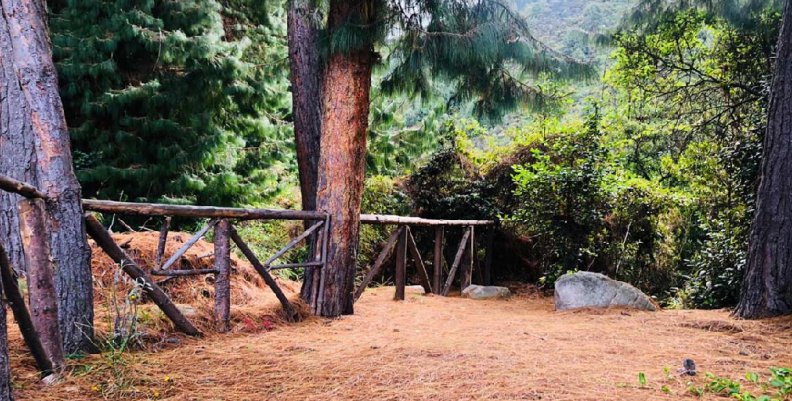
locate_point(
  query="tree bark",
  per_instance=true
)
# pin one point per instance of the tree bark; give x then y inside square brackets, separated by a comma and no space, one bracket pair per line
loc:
[345,110]
[767,286]
[305,65]
[34,142]
[5,363]
[41,285]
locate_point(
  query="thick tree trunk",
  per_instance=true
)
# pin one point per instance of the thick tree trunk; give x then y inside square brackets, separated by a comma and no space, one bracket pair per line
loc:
[345,110]
[5,365]
[34,142]
[767,287]
[306,86]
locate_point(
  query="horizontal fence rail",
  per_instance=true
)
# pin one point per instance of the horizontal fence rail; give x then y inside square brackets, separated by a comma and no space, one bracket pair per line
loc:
[419,221]
[158,209]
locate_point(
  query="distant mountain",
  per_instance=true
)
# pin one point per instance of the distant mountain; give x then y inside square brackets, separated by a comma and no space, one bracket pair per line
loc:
[568,26]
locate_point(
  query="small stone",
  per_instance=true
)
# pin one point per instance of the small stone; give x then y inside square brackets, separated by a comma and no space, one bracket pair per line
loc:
[485,292]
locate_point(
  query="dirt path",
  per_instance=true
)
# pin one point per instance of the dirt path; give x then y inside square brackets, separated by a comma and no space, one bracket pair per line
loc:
[434,348]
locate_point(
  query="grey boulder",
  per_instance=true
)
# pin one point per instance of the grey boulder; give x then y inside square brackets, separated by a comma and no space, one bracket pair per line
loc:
[594,290]
[485,292]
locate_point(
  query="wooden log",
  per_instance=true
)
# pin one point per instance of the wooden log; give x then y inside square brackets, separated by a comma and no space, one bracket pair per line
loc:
[155,209]
[153,291]
[222,284]
[418,221]
[186,246]
[41,283]
[400,278]
[9,184]
[468,260]
[379,262]
[488,249]
[15,299]
[437,266]
[288,309]
[182,273]
[294,265]
[163,240]
[292,243]
[323,272]
[457,259]
[419,264]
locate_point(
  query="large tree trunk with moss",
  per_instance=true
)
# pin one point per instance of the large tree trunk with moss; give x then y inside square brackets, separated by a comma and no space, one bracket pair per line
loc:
[34,142]
[306,86]
[345,109]
[767,286]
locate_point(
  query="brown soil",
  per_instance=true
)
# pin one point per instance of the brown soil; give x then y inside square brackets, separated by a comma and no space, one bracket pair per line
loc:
[435,348]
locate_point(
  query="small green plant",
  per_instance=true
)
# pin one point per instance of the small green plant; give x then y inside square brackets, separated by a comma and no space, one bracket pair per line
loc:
[641,380]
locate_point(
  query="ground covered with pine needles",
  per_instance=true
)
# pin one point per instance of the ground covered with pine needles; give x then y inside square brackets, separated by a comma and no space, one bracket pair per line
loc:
[436,348]
[425,348]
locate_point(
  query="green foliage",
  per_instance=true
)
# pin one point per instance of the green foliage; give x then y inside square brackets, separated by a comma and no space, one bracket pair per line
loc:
[483,50]
[174,101]
[561,199]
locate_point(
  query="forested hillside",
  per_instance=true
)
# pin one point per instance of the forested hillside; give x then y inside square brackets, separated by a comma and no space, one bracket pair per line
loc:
[572,26]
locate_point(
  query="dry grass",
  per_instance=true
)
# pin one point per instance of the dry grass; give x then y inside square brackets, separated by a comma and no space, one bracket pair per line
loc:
[438,348]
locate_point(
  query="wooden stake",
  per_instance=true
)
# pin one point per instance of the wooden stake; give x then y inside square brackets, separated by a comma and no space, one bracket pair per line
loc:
[437,265]
[378,263]
[183,273]
[190,242]
[400,278]
[17,302]
[467,266]
[288,309]
[41,283]
[457,259]
[222,284]
[105,241]
[419,264]
[163,239]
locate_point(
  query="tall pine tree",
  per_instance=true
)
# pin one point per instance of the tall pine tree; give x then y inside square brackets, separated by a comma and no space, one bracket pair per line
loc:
[175,101]
[481,47]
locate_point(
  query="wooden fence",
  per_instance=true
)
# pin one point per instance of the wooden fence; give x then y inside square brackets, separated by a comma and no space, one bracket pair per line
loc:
[224,233]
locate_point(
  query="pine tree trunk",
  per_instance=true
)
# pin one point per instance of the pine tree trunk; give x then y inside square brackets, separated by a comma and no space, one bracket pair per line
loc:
[345,110]
[5,363]
[767,286]
[34,142]
[306,86]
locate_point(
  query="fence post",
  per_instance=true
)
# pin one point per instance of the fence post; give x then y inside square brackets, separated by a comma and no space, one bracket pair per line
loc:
[222,261]
[437,273]
[401,265]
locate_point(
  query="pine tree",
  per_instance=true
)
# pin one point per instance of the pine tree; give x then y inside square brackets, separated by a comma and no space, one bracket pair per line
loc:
[34,145]
[767,286]
[482,48]
[175,101]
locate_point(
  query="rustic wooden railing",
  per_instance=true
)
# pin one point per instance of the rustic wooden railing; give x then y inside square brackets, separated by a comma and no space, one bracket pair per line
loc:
[224,233]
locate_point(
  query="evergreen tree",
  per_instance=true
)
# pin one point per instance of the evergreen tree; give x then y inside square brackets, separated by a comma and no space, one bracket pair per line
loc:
[481,48]
[175,101]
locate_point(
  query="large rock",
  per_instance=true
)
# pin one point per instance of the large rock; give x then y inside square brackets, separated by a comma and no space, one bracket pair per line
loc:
[485,292]
[594,290]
